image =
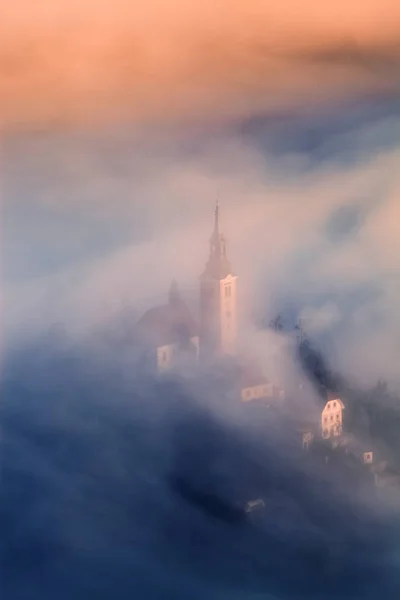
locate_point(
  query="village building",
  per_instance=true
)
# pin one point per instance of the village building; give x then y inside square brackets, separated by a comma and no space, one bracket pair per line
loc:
[332,418]
[255,385]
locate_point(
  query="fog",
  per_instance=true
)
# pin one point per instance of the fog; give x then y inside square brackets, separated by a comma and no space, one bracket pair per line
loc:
[121,127]
[91,505]
[99,224]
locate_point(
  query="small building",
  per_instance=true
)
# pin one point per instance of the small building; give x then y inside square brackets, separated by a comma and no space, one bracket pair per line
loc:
[332,418]
[307,439]
[368,458]
[254,505]
[304,427]
[254,385]
[167,335]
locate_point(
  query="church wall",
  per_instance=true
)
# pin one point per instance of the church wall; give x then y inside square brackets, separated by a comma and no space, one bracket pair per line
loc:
[209,311]
[228,314]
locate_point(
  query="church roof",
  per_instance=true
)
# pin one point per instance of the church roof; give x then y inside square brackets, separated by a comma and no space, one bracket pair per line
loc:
[166,324]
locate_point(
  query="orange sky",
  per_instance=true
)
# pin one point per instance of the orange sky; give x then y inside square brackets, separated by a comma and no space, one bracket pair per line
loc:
[74,61]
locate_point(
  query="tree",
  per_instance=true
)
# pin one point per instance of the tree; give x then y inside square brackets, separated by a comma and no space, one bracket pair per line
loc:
[277,324]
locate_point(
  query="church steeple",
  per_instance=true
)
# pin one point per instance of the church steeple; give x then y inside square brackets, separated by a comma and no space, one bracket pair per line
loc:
[218,320]
[216,219]
[218,265]
[173,294]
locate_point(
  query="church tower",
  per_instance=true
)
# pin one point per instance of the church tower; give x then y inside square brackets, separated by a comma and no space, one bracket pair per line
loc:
[218,310]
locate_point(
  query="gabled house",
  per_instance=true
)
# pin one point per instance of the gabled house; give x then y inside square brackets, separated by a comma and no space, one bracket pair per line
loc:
[332,418]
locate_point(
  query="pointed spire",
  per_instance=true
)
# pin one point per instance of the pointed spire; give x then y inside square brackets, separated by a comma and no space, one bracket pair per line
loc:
[216,214]
[173,294]
[216,236]
[218,264]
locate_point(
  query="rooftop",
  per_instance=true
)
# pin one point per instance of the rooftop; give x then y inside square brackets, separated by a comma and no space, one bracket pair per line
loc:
[167,324]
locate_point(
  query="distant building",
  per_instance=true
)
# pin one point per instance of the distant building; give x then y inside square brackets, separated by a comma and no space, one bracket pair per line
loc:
[307,439]
[167,335]
[254,505]
[254,385]
[332,418]
[368,458]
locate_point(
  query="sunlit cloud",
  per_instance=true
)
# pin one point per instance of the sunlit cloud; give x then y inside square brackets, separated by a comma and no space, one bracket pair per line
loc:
[86,62]
[123,216]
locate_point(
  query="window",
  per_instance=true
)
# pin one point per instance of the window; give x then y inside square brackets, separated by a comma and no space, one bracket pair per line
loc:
[329,405]
[337,416]
[331,417]
[228,291]
[334,405]
[325,419]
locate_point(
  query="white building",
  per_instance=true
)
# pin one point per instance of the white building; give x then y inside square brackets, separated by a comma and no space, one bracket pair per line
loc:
[332,418]
[368,458]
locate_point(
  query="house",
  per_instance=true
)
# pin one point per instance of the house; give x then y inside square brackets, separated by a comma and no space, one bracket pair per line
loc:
[332,418]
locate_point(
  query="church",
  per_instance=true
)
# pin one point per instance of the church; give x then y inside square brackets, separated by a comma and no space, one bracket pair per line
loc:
[169,336]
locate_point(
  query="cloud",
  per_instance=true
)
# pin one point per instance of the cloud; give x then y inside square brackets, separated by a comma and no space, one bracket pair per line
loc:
[114,215]
[86,62]
[318,321]
[98,218]
[92,475]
